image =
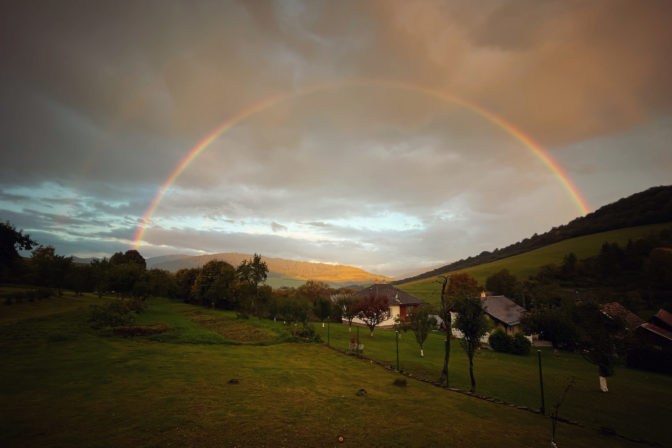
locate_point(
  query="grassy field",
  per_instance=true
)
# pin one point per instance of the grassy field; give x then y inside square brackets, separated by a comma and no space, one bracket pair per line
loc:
[638,405]
[524,265]
[64,384]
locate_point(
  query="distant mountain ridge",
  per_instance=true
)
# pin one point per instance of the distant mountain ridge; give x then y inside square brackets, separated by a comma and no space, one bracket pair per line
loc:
[278,267]
[652,206]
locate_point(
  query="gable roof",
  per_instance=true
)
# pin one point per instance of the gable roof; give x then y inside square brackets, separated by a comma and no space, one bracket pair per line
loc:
[394,295]
[617,311]
[503,309]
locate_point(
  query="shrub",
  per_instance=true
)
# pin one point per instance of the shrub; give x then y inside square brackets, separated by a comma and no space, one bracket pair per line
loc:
[500,341]
[30,295]
[306,334]
[521,345]
[517,345]
[114,313]
[140,330]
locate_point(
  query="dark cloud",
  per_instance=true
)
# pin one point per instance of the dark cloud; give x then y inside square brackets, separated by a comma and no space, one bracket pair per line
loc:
[102,101]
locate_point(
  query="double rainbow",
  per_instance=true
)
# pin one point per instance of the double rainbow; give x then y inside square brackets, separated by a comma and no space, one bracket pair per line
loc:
[510,129]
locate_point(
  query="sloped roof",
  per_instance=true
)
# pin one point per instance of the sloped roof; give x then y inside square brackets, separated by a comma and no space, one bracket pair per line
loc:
[617,311]
[394,295]
[503,309]
[657,330]
[664,319]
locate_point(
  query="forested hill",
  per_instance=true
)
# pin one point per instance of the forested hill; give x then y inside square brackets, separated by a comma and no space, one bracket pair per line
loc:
[651,206]
[301,270]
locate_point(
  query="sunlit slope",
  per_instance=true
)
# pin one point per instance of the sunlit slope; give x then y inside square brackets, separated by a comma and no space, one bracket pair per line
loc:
[526,264]
[282,272]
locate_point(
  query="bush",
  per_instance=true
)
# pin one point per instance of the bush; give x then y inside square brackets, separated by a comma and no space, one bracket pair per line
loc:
[140,330]
[306,334]
[500,341]
[517,345]
[30,295]
[117,312]
[521,345]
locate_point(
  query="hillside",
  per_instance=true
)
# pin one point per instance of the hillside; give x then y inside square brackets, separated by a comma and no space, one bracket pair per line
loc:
[282,272]
[651,206]
[526,264]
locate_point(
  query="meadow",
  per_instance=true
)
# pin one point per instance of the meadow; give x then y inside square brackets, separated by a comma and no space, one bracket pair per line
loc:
[528,263]
[64,384]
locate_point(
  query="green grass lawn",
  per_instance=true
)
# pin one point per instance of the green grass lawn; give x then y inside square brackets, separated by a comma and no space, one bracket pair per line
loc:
[64,384]
[638,405]
[524,265]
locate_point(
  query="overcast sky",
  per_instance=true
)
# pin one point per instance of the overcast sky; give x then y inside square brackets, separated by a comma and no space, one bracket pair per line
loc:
[102,100]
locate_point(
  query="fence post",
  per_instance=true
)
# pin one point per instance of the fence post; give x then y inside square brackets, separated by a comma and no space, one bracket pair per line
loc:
[541,384]
[396,334]
[357,348]
[328,334]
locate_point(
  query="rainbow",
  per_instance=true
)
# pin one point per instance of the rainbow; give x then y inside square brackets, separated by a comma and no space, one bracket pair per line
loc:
[510,129]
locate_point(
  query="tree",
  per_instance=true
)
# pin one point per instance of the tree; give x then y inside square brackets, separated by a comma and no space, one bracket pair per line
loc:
[373,309]
[252,272]
[502,283]
[347,303]
[185,279]
[553,324]
[11,241]
[322,309]
[453,288]
[471,321]
[50,269]
[161,283]
[100,273]
[312,291]
[597,334]
[212,286]
[291,309]
[130,256]
[421,322]
[122,278]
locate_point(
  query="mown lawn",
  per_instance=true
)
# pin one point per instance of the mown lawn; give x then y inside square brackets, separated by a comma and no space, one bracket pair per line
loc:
[524,265]
[638,404]
[64,384]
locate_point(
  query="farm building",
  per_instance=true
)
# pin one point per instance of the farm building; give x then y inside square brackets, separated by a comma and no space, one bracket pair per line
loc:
[401,303]
[617,311]
[658,331]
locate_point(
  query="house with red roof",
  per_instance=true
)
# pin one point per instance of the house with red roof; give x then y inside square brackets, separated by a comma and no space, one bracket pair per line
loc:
[657,331]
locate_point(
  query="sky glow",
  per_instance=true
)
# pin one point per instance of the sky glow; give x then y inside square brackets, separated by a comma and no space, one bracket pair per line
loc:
[388,135]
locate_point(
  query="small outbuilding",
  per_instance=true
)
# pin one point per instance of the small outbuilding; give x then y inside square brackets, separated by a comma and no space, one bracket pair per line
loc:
[503,312]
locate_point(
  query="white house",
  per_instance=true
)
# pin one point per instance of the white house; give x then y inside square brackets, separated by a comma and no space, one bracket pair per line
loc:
[400,302]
